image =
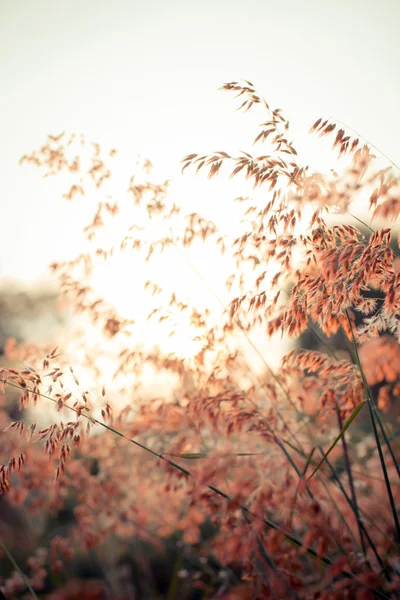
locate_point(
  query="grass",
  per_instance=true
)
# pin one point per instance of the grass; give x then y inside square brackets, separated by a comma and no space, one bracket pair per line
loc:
[229,446]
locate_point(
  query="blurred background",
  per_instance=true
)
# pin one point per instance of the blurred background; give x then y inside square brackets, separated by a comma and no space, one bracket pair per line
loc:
[143,78]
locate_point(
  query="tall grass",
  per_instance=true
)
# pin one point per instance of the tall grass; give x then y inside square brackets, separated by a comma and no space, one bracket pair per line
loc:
[262,480]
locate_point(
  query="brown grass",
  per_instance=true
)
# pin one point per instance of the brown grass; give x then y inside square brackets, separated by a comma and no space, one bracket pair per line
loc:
[227,449]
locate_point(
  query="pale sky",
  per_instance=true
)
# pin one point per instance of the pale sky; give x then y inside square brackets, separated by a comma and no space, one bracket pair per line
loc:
[144,76]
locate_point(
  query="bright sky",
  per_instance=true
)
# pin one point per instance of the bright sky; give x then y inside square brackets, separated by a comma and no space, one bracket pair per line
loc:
[144,77]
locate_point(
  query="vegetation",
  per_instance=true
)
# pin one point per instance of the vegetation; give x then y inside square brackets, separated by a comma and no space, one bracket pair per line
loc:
[234,482]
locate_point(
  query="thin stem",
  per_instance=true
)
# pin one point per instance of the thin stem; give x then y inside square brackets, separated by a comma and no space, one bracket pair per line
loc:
[290,459]
[385,437]
[384,430]
[245,334]
[369,144]
[375,409]
[376,435]
[351,482]
[18,569]
[336,478]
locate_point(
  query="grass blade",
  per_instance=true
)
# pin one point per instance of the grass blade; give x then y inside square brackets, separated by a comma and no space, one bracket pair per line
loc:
[339,437]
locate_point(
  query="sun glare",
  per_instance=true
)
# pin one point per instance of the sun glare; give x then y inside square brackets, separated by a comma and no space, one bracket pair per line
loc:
[145,278]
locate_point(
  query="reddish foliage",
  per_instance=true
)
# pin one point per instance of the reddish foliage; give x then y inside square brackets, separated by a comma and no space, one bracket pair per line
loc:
[225,446]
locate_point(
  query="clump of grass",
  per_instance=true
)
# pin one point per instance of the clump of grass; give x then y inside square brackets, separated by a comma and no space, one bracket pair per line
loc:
[252,454]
